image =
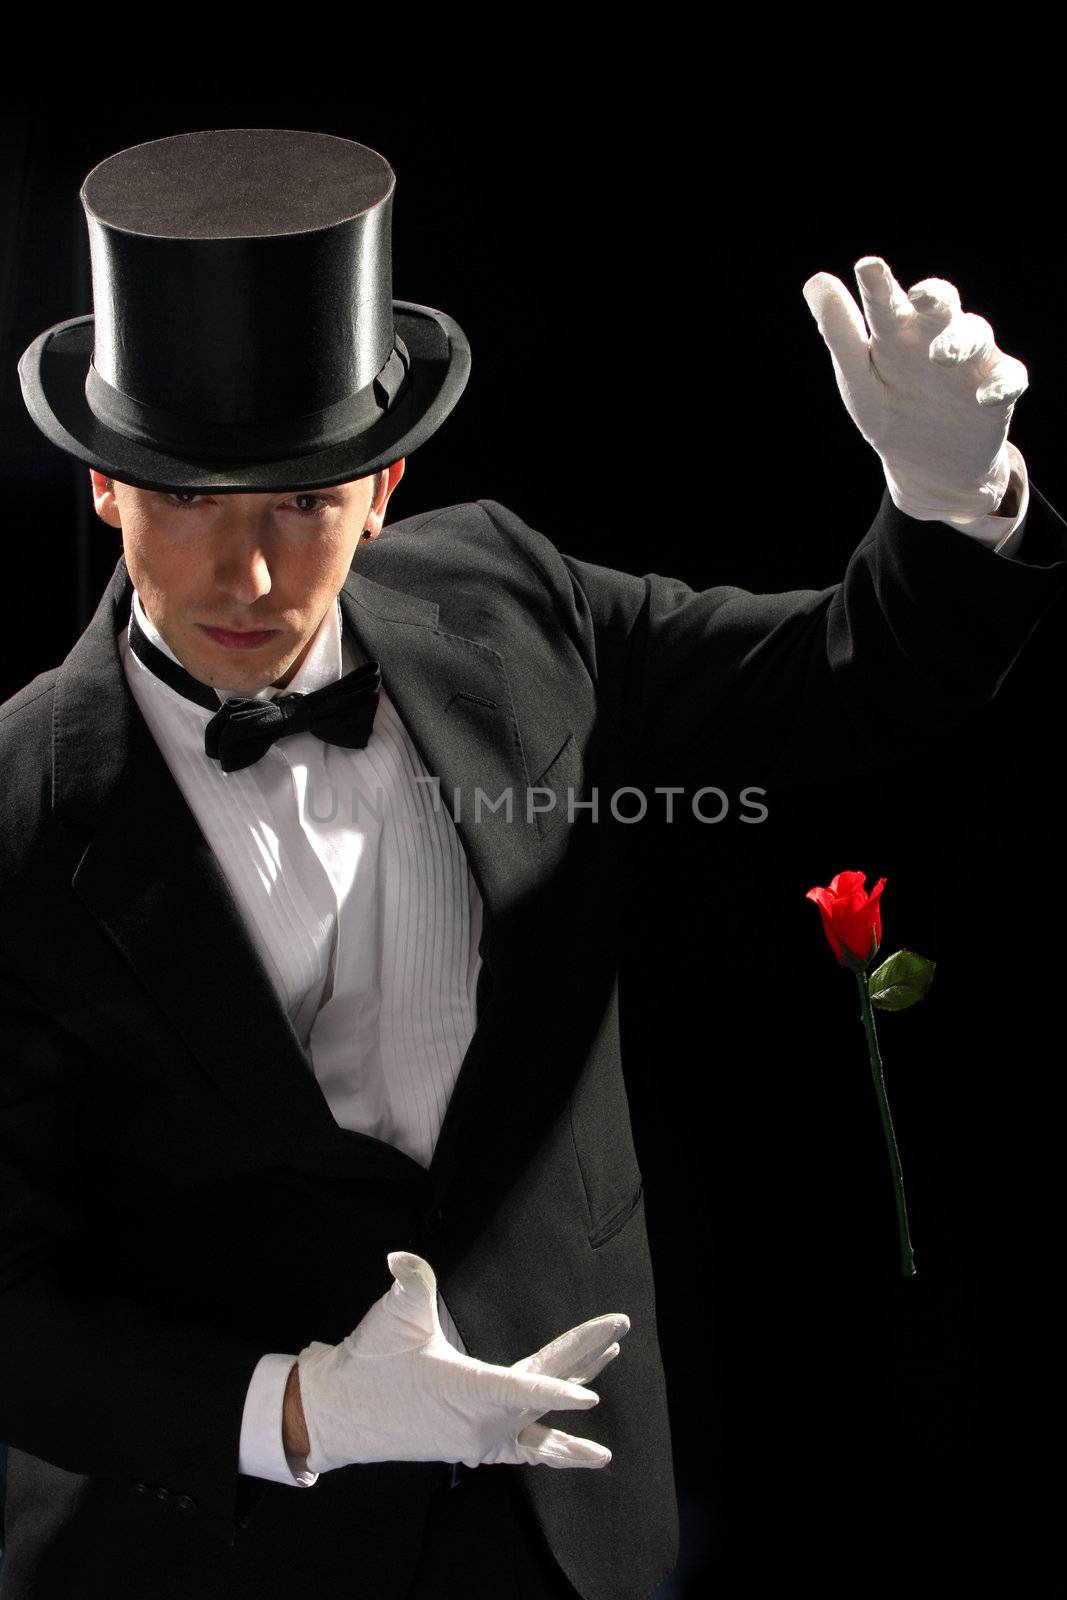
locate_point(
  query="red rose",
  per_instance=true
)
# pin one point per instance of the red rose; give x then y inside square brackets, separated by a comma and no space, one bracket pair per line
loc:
[851,918]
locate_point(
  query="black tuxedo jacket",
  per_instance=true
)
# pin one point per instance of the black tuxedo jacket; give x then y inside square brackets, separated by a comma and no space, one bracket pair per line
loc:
[175,1196]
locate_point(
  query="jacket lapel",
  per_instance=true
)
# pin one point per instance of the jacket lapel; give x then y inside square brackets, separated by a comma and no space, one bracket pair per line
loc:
[151,880]
[453,696]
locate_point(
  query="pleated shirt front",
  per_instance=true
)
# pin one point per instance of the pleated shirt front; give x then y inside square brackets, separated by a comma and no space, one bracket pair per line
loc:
[355,890]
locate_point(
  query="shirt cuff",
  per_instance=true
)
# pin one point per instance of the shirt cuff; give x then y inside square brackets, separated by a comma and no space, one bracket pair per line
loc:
[1002,535]
[261,1453]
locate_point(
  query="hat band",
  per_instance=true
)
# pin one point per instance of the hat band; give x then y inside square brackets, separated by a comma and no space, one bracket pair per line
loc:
[249,441]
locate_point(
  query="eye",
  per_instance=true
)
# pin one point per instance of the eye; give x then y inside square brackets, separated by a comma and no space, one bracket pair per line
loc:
[323,503]
[188,499]
[175,497]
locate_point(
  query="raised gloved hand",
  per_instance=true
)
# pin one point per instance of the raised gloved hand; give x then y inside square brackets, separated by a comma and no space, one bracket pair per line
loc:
[396,1390]
[927,387]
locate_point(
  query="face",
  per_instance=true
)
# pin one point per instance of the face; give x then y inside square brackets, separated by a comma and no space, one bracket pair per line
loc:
[267,565]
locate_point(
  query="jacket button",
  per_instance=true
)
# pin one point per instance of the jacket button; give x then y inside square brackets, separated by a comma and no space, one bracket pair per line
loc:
[434,1220]
[185,1502]
[159,1492]
[141,1488]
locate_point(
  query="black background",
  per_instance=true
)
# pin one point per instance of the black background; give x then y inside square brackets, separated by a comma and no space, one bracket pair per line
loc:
[650,391]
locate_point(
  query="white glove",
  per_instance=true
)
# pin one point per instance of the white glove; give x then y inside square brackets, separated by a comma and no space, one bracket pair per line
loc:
[396,1390]
[928,389]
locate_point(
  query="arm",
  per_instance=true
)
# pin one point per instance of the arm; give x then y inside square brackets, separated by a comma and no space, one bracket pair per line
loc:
[274,1441]
[935,604]
[103,1385]
[722,686]
[96,1382]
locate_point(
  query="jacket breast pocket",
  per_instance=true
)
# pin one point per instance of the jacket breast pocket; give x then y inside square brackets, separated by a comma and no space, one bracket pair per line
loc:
[617,1218]
[558,787]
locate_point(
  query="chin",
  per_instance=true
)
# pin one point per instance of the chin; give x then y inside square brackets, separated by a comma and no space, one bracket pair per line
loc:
[249,671]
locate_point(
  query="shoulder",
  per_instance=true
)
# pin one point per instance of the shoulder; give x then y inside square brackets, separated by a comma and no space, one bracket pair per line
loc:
[25,764]
[473,557]
[27,715]
[469,534]
[485,543]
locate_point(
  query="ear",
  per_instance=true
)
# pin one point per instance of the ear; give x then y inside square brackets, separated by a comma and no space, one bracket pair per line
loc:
[390,477]
[104,501]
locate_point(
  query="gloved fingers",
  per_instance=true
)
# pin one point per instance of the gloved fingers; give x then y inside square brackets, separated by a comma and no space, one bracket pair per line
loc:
[538,1392]
[576,1347]
[885,305]
[596,1364]
[1004,383]
[583,1375]
[539,1446]
[582,1371]
[967,337]
[970,339]
[936,302]
[406,1266]
[413,1296]
[841,325]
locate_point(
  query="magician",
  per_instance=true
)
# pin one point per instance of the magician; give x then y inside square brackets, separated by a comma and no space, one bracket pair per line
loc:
[323,1260]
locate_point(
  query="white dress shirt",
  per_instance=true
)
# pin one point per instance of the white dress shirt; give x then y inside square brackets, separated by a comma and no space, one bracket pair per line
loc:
[359,898]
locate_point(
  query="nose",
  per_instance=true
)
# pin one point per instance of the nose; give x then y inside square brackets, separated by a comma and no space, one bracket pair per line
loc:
[242,567]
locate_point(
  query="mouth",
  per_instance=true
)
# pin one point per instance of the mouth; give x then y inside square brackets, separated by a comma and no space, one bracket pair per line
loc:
[239,638]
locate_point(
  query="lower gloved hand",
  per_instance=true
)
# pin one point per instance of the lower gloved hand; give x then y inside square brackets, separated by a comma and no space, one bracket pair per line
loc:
[927,387]
[396,1390]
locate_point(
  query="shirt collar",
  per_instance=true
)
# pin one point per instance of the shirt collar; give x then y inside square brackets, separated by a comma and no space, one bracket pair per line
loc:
[321,665]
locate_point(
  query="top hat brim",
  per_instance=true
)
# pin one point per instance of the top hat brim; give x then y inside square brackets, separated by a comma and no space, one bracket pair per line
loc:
[53,371]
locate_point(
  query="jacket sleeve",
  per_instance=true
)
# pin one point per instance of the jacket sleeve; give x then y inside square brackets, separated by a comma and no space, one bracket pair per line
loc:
[90,1381]
[783,689]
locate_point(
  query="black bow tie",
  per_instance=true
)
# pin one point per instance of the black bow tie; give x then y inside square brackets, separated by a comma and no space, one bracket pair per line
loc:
[242,730]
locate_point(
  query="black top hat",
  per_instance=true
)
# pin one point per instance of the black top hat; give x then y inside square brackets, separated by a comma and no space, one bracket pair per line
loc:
[244,334]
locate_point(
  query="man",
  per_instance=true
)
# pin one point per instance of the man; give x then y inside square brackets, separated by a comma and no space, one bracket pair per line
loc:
[321,1213]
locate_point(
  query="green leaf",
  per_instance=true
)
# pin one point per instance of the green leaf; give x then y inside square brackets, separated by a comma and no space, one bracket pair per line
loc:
[900,981]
